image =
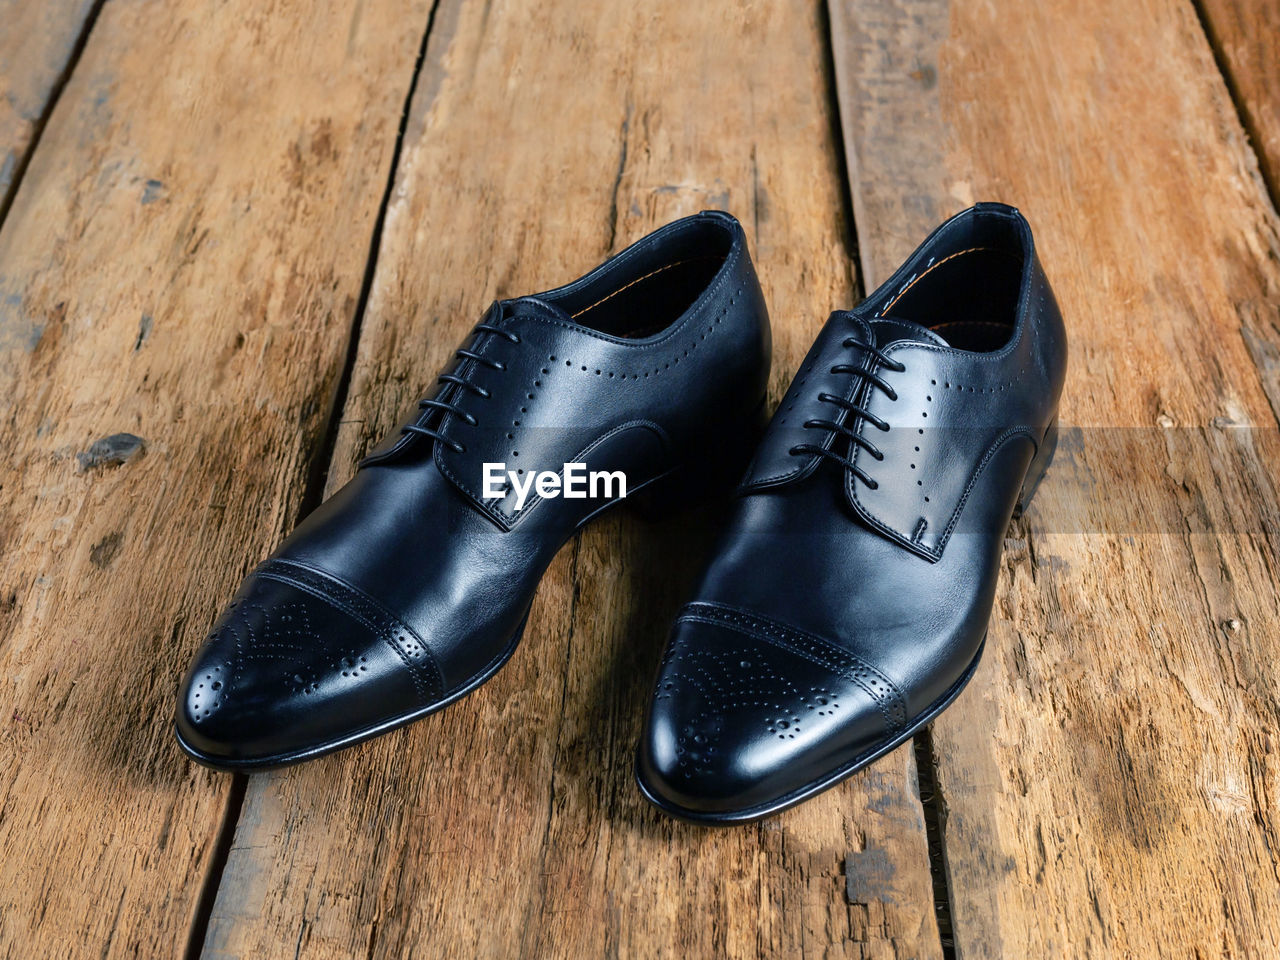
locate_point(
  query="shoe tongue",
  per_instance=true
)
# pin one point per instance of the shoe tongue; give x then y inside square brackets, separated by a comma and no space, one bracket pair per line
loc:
[893,329]
[534,307]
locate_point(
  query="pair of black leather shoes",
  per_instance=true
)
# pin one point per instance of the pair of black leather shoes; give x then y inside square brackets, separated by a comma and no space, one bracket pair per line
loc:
[847,601]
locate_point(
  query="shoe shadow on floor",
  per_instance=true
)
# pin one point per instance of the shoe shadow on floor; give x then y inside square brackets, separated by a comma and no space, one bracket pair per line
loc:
[656,564]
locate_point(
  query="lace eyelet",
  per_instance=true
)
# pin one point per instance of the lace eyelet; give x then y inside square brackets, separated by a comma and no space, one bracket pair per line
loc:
[855,410]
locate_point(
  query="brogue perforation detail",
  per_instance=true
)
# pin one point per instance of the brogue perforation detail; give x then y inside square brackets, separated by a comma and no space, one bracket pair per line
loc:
[725,274]
[286,630]
[824,653]
[796,391]
[407,645]
[724,690]
[212,684]
[644,374]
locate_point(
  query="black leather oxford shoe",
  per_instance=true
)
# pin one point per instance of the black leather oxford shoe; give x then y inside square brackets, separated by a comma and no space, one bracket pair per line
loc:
[410,586]
[847,602]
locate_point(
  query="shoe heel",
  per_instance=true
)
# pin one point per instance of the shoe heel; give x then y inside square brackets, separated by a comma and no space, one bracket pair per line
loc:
[1039,464]
[715,470]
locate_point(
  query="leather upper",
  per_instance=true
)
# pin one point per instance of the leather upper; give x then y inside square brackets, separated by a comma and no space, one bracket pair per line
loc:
[409,572]
[849,595]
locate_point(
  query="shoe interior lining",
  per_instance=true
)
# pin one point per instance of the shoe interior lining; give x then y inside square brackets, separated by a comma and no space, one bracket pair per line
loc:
[650,303]
[968,297]
[655,286]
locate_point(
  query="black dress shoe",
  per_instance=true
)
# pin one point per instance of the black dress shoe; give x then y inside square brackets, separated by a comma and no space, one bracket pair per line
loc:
[410,586]
[847,602]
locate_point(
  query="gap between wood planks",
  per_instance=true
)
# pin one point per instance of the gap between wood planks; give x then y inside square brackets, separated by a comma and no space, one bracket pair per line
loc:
[55,94]
[217,863]
[928,795]
[313,490]
[932,801]
[1270,178]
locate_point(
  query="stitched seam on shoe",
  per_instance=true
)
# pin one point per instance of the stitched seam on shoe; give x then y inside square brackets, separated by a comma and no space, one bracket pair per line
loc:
[936,552]
[651,273]
[645,373]
[385,625]
[969,323]
[853,674]
[934,266]
[380,631]
[689,318]
[829,655]
[1000,441]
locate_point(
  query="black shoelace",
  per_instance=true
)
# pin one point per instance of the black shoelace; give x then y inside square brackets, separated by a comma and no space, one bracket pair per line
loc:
[462,384]
[854,412]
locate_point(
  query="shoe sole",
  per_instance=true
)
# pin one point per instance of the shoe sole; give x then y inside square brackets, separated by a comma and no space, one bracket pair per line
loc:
[814,787]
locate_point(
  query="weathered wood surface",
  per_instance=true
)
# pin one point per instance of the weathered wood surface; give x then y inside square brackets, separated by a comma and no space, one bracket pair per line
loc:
[1246,35]
[181,262]
[543,137]
[1110,777]
[37,42]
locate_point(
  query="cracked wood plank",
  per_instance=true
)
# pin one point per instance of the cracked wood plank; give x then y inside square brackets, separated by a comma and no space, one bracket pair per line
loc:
[1110,777]
[178,275]
[37,45]
[1246,36]
[544,136]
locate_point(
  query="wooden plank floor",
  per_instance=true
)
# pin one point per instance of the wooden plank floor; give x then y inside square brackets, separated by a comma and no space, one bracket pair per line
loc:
[182,261]
[1246,42]
[38,48]
[250,235]
[1118,737]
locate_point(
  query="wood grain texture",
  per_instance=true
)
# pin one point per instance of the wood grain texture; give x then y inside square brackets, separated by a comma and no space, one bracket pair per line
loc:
[181,263]
[544,136]
[1246,35]
[37,41]
[1110,777]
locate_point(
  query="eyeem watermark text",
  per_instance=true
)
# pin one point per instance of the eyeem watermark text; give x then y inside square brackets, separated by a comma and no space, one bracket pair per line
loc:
[576,483]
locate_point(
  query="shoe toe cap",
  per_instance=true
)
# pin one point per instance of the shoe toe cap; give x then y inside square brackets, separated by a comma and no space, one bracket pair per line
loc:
[743,724]
[286,672]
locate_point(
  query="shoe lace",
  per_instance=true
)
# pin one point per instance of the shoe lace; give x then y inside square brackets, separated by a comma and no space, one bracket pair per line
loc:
[853,413]
[447,406]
